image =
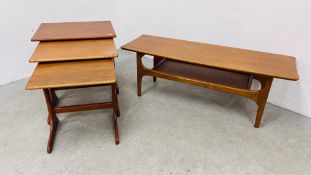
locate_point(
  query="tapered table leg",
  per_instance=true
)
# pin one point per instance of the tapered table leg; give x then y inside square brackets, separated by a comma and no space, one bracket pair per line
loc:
[115,112]
[116,130]
[53,128]
[117,88]
[156,61]
[53,120]
[262,100]
[139,74]
[54,101]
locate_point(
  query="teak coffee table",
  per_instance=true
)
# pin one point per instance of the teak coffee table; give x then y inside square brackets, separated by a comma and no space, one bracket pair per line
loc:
[215,67]
[69,75]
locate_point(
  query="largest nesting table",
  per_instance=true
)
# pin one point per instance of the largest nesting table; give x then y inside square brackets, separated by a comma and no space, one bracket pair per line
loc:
[226,69]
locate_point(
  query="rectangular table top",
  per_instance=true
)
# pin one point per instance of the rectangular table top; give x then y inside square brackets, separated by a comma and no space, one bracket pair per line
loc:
[234,59]
[74,31]
[72,74]
[74,50]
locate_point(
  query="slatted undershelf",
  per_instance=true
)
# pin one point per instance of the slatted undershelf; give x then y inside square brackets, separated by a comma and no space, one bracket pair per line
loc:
[206,74]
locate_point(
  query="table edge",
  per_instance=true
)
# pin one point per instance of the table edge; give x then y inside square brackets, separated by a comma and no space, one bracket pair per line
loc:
[294,78]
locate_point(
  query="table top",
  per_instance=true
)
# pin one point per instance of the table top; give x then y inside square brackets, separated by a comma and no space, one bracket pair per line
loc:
[228,58]
[74,50]
[74,31]
[72,74]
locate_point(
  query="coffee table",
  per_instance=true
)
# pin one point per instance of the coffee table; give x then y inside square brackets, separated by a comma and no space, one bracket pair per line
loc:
[221,68]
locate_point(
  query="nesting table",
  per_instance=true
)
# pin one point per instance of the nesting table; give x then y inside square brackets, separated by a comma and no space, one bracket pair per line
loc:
[226,69]
[77,59]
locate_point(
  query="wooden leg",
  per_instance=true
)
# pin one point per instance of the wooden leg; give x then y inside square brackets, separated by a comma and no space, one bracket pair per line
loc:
[115,101]
[54,101]
[53,128]
[139,74]
[262,100]
[53,96]
[116,130]
[48,119]
[115,112]
[155,61]
[117,88]
[53,120]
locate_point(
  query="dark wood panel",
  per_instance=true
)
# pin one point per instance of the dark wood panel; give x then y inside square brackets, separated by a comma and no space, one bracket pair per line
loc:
[206,74]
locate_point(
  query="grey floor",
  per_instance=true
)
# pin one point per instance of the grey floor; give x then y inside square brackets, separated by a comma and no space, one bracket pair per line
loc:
[172,129]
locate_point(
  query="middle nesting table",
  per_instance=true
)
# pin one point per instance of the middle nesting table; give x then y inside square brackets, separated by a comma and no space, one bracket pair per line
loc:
[74,64]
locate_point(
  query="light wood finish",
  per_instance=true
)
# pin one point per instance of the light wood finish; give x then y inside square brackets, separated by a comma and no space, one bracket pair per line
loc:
[74,50]
[72,74]
[74,31]
[233,59]
[220,68]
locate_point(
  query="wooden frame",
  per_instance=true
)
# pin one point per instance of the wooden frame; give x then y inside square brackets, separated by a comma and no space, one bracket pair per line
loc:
[259,96]
[53,109]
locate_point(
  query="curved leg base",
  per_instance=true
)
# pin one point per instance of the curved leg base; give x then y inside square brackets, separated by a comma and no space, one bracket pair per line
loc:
[53,128]
[116,130]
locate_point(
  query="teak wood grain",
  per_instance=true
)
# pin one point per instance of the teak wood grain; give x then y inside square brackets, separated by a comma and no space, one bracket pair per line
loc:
[74,50]
[74,31]
[233,59]
[72,74]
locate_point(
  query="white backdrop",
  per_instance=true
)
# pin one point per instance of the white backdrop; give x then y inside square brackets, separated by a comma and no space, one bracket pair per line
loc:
[277,26]
[20,18]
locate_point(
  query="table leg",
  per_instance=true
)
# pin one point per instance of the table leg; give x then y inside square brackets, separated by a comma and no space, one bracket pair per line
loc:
[155,62]
[117,88]
[53,97]
[53,120]
[262,99]
[116,112]
[54,100]
[115,101]
[139,73]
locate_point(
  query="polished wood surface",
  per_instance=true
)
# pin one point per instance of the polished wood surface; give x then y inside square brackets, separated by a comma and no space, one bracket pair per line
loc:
[74,31]
[72,74]
[239,60]
[74,50]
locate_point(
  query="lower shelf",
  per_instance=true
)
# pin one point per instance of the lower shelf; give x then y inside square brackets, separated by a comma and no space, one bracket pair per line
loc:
[207,74]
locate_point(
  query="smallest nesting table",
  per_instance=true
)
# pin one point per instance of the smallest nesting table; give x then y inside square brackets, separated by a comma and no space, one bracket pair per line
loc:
[76,74]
